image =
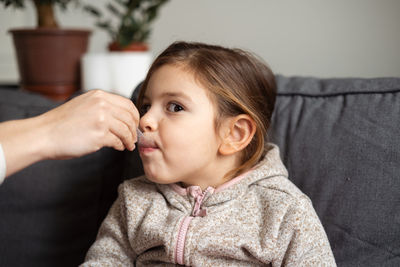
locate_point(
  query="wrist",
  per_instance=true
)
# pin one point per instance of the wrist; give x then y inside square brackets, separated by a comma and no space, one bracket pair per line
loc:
[24,143]
[36,138]
[41,135]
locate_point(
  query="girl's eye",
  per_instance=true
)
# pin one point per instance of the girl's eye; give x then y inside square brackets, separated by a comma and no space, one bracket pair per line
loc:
[173,107]
[144,108]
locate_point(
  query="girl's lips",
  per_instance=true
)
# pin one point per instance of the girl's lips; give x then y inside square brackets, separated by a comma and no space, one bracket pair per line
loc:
[145,141]
[147,145]
[147,149]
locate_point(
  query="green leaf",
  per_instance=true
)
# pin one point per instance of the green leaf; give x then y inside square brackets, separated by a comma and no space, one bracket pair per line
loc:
[135,17]
[15,3]
[122,3]
[114,10]
[104,24]
[93,11]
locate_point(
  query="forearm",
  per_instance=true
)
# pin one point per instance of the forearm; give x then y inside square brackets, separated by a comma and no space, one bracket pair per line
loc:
[24,142]
[79,127]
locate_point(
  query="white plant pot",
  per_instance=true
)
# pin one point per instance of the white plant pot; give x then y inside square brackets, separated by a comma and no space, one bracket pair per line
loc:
[116,72]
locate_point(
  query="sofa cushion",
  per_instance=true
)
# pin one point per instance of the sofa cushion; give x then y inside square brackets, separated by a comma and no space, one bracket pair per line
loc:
[50,211]
[340,140]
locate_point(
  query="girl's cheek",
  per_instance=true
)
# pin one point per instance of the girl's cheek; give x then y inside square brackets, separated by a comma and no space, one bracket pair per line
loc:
[166,135]
[173,137]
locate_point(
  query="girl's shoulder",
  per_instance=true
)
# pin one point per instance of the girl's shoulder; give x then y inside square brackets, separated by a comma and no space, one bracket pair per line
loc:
[281,184]
[281,188]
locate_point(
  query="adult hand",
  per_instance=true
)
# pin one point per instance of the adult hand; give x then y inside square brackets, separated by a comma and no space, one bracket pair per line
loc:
[89,122]
[78,127]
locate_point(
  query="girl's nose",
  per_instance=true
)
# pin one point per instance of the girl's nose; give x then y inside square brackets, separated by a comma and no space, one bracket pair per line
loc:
[148,122]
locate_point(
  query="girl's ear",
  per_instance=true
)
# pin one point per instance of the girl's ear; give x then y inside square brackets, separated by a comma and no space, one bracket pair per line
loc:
[237,132]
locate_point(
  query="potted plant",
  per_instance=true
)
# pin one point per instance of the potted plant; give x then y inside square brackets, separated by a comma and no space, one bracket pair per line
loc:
[48,56]
[128,23]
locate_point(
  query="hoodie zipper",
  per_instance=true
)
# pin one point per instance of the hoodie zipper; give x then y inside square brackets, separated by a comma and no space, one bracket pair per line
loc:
[184,225]
[180,243]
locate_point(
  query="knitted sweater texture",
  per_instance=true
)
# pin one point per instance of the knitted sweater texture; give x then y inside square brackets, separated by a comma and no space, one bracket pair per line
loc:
[257,219]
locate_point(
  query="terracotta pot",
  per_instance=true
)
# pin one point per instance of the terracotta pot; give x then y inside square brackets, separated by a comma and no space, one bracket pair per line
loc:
[49,60]
[133,47]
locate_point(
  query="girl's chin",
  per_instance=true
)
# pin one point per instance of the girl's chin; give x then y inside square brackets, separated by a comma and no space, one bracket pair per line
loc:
[156,178]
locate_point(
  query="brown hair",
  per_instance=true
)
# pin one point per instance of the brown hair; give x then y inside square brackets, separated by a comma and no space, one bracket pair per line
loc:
[239,83]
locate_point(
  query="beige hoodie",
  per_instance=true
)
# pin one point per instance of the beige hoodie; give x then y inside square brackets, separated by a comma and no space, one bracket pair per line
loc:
[257,219]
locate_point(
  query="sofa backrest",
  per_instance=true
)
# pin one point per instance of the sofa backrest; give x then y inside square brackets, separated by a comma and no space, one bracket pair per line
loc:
[340,140]
[50,212]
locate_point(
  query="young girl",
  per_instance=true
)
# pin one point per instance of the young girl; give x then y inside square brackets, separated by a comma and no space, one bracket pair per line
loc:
[215,193]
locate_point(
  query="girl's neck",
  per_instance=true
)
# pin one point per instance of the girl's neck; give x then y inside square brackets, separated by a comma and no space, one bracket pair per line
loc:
[230,176]
[217,173]
[221,186]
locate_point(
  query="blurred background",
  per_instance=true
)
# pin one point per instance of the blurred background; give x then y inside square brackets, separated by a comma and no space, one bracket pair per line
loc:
[342,38]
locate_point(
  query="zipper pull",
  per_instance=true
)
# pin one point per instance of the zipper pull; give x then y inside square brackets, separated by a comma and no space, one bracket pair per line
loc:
[199,198]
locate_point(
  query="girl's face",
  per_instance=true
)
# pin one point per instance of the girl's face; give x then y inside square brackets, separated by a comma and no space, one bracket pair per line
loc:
[178,119]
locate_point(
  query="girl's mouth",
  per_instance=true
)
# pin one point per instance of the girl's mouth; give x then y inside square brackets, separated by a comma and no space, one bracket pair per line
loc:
[147,149]
[146,145]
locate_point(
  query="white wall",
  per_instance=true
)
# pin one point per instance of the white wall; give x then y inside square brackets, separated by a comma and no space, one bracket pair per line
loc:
[341,38]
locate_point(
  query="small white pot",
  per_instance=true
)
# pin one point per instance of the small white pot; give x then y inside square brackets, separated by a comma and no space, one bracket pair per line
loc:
[116,72]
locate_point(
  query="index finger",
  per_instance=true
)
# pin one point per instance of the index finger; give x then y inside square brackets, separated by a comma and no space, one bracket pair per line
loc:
[126,104]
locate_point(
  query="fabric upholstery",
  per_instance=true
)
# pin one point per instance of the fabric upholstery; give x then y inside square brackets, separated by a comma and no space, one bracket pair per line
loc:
[340,140]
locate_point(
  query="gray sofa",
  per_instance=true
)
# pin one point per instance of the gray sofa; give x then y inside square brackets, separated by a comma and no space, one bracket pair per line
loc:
[339,139]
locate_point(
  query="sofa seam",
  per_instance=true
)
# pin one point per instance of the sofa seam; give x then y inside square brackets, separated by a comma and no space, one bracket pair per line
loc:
[390,91]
